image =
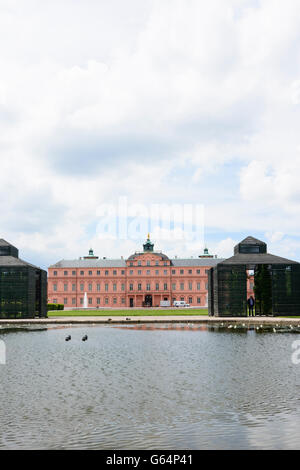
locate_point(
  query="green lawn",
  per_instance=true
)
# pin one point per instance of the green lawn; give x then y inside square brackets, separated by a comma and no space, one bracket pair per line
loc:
[126,313]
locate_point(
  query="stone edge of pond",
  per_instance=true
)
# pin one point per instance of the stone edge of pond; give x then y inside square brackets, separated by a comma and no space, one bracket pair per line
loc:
[153,320]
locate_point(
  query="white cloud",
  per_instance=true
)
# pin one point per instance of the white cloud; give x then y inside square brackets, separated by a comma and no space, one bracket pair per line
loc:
[160,101]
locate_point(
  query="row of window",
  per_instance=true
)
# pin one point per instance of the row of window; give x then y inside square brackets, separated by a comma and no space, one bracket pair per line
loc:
[131,272]
[91,273]
[115,300]
[90,301]
[90,287]
[147,263]
[139,287]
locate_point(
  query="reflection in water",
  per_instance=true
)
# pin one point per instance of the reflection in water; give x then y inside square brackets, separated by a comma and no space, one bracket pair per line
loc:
[150,386]
[166,327]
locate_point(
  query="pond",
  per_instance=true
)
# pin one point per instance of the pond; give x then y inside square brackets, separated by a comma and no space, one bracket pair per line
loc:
[143,387]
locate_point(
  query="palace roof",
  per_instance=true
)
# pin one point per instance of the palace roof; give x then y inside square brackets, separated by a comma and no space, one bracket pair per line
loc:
[121,263]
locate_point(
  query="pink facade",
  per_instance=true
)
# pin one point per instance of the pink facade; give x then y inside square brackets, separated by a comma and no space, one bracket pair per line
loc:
[144,279]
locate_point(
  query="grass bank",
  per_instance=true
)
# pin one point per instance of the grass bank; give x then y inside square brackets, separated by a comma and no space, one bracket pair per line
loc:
[128,313]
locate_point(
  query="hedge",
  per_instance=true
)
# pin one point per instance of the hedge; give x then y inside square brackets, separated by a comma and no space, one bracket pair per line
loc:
[55,307]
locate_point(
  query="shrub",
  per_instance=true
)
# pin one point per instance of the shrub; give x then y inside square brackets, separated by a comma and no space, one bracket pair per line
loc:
[55,307]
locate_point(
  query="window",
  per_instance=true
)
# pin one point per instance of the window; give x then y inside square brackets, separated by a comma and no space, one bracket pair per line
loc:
[55,287]
[173,271]
[206,271]
[148,272]
[123,286]
[148,263]
[90,287]
[250,249]
[173,286]
[131,263]
[90,300]
[73,301]
[73,273]
[190,286]
[81,301]
[98,300]
[98,273]
[54,273]
[123,300]
[139,272]
[115,287]
[165,286]
[165,263]
[157,272]
[156,263]
[182,299]
[165,272]
[65,301]
[139,286]
[106,300]
[65,273]
[106,273]
[182,271]
[182,286]
[190,300]
[90,273]
[131,272]
[130,286]
[81,287]
[115,300]
[148,287]
[199,300]
[114,273]
[199,286]
[198,271]
[190,271]
[157,286]
[139,263]
[123,272]
[81,273]
[73,287]
[106,287]
[98,287]
[206,286]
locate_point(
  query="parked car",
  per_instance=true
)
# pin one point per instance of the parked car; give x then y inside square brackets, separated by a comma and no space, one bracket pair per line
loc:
[180,304]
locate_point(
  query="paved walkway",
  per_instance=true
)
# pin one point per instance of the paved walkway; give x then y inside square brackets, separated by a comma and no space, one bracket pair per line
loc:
[156,319]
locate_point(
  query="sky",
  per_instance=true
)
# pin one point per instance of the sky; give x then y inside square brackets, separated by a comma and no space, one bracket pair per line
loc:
[166,103]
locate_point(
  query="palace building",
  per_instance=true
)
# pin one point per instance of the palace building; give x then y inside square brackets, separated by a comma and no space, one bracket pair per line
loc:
[143,280]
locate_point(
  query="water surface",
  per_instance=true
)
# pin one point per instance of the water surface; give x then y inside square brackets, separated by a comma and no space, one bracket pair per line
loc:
[142,388]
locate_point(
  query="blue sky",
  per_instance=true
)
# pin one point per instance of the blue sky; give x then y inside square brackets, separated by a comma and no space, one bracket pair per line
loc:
[161,102]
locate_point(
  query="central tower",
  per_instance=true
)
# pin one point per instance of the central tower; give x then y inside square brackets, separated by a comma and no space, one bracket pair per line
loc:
[148,246]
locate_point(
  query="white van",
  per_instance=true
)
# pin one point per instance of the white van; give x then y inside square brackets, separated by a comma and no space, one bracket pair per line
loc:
[180,303]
